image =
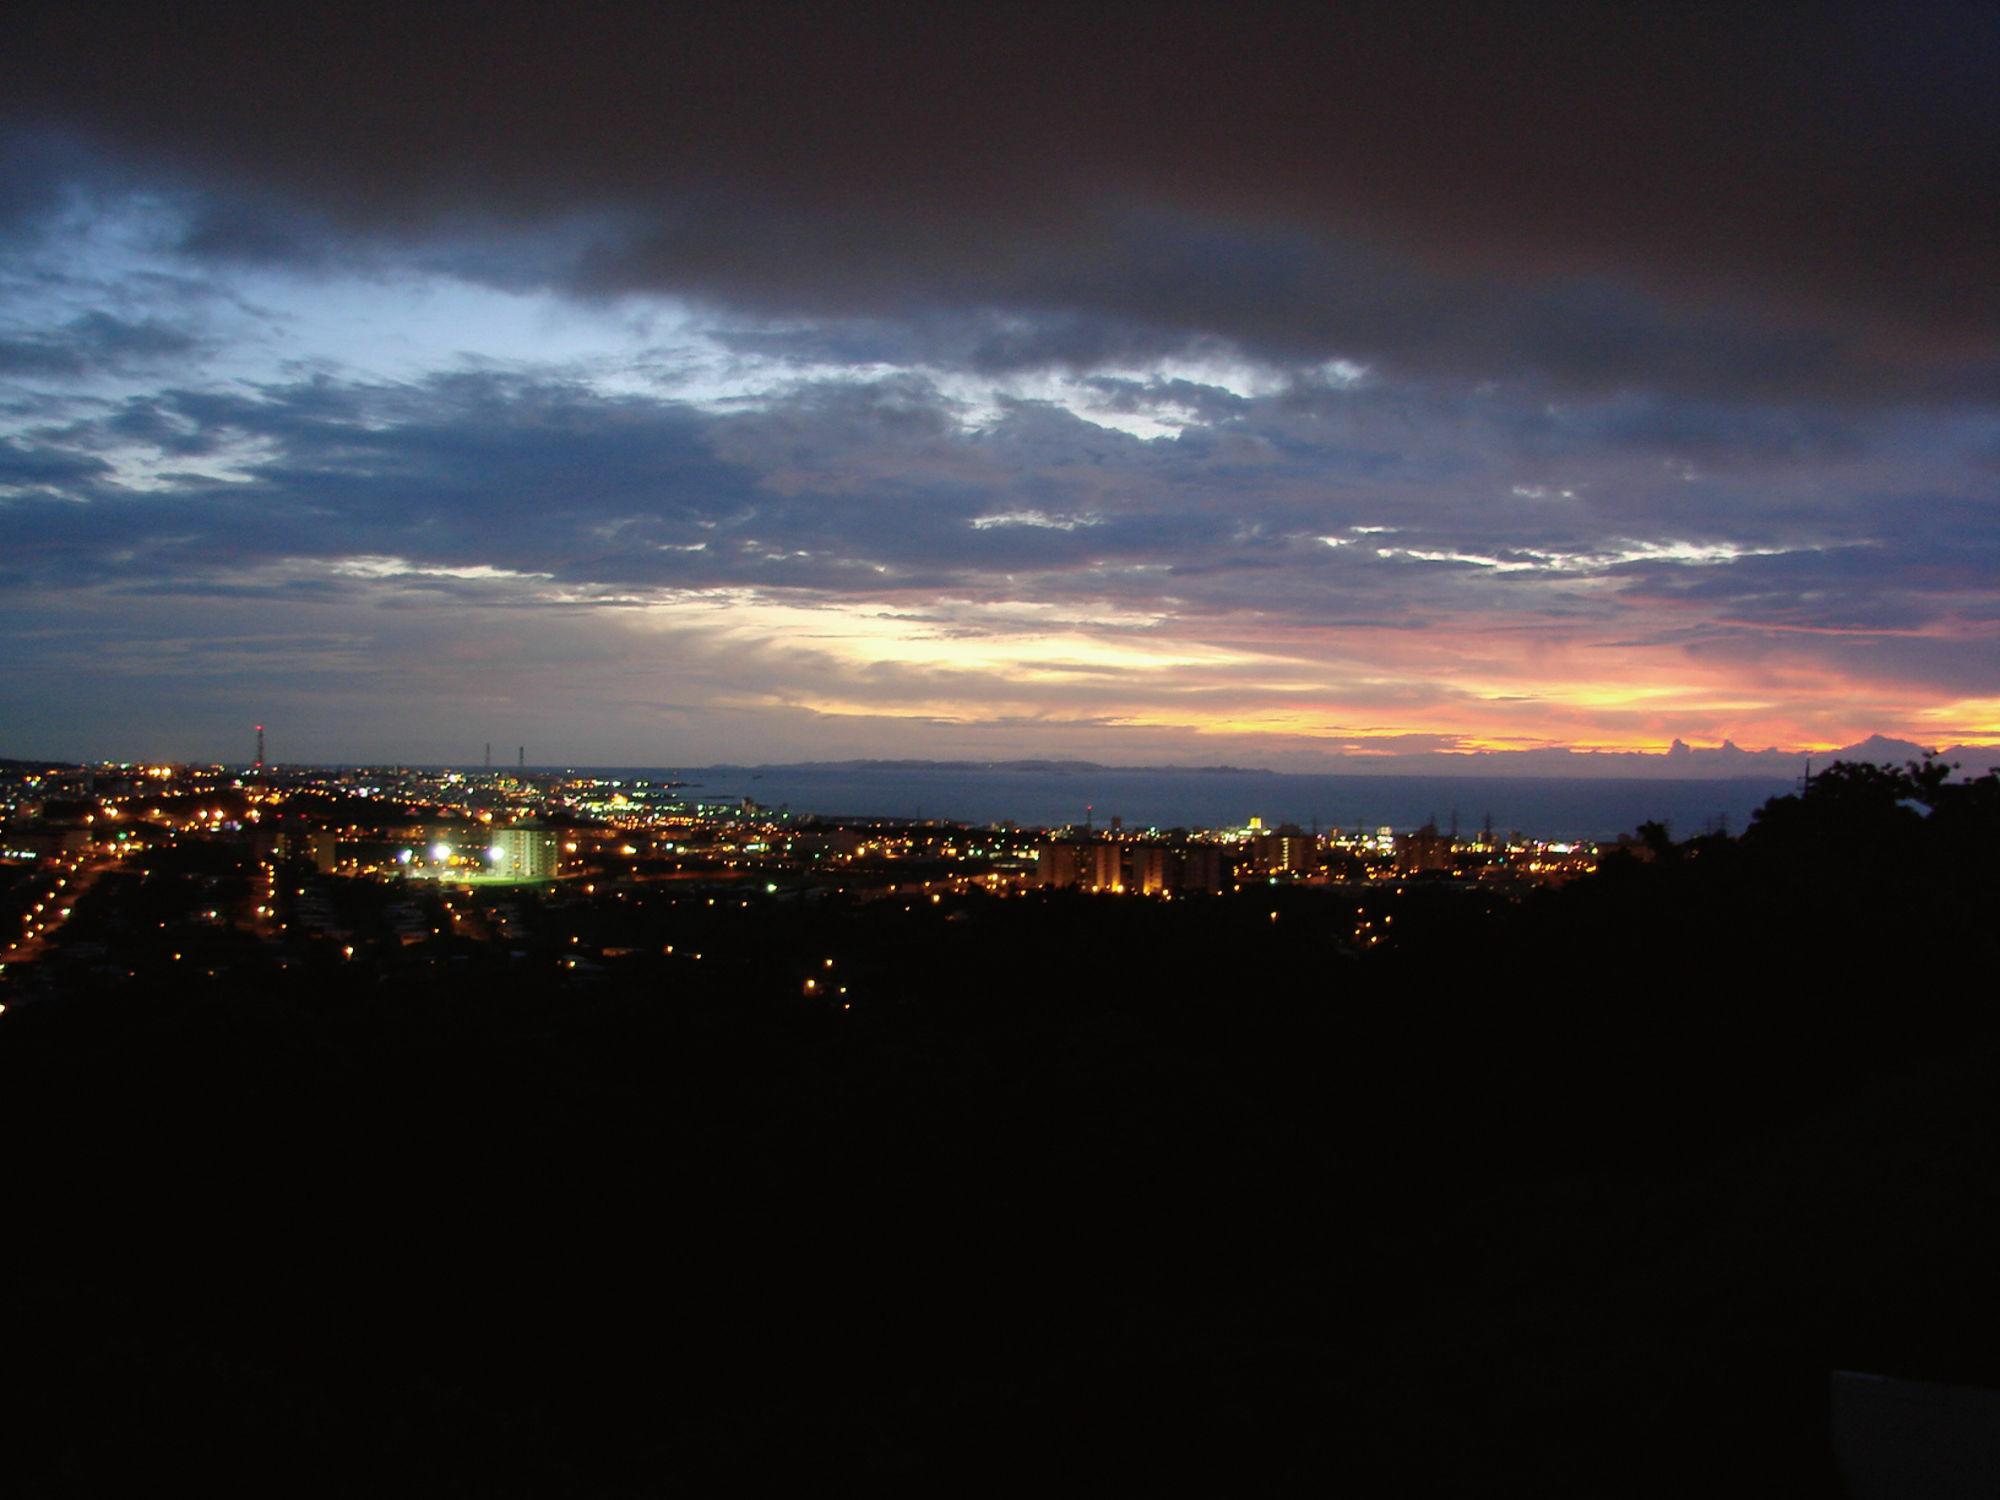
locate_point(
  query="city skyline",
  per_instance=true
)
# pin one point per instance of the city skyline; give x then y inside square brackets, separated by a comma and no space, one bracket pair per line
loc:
[1166,388]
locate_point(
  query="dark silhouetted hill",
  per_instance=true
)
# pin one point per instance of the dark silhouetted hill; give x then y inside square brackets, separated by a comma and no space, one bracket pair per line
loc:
[1584,1195]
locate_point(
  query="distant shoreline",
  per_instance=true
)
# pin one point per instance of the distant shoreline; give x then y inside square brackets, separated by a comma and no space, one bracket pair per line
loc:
[1723,763]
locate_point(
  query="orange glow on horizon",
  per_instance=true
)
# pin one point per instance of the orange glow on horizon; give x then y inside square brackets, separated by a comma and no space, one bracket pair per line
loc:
[967,675]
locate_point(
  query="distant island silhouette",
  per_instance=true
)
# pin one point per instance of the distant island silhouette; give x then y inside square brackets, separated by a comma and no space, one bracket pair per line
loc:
[1680,761]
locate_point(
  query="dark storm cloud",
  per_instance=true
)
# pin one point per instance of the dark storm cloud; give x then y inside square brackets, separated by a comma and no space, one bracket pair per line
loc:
[1941,568]
[91,342]
[24,467]
[982,339]
[1710,432]
[227,229]
[1762,199]
[40,172]
[463,470]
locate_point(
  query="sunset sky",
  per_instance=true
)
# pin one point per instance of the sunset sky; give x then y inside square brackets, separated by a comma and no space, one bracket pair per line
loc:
[1177,384]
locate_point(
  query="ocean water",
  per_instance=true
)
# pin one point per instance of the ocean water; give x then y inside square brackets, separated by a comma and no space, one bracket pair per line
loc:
[1055,797]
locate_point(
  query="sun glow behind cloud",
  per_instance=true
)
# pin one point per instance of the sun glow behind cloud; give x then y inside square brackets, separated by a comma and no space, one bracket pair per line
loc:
[970,662]
[961,663]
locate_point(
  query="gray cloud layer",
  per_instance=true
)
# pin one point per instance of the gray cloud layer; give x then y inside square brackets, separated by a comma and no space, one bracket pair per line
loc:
[863,489]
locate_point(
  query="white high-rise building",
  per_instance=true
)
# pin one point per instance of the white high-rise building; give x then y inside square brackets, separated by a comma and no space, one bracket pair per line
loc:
[522,853]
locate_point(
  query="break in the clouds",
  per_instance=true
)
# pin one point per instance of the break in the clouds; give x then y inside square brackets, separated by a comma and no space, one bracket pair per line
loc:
[1142,386]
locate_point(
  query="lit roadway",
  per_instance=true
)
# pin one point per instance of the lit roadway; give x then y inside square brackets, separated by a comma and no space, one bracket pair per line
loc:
[44,919]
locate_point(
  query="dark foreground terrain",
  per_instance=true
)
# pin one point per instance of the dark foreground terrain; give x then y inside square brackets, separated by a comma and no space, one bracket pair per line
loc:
[1588,1194]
